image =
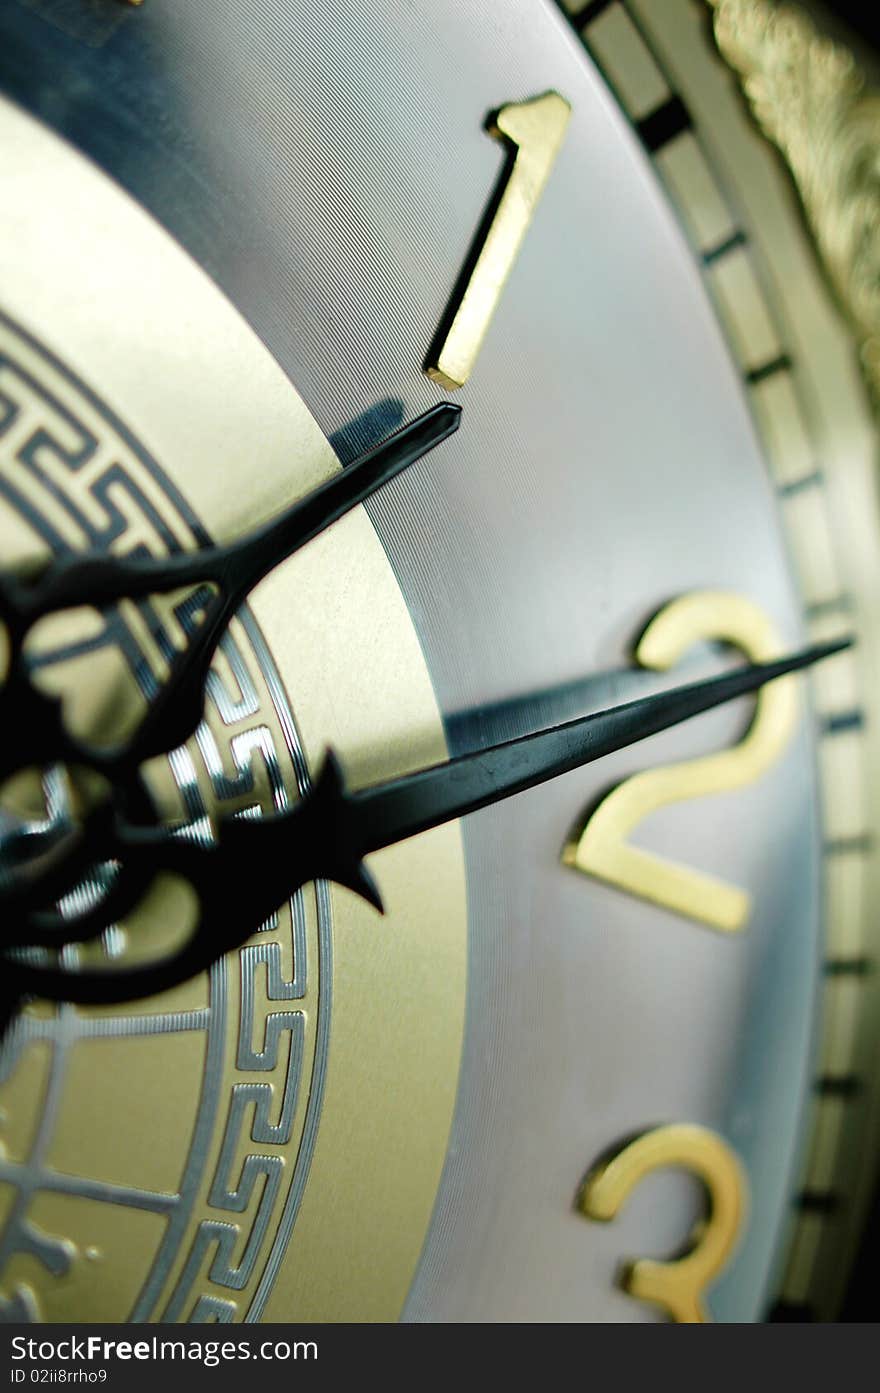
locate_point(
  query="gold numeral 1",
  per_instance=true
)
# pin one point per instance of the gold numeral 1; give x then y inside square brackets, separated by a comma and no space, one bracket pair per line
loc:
[600,847]
[680,1286]
[534,130]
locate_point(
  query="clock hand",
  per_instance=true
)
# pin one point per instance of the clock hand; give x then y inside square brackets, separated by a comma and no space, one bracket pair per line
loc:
[253,865]
[404,807]
[234,569]
[470,727]
[463,728]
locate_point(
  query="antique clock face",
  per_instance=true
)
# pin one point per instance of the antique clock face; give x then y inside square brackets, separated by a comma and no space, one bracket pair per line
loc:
[623,1015]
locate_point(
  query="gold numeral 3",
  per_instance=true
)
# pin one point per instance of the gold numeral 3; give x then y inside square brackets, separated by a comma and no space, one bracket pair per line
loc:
[680,1285]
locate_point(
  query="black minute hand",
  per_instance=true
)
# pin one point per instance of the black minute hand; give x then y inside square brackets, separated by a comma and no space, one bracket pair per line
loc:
[254,865]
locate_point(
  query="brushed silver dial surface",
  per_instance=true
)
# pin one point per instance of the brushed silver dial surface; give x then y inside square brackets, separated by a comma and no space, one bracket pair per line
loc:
[330,170]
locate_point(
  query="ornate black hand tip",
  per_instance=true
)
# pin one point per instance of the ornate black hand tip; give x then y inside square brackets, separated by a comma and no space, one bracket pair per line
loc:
[237,881]
[241,877]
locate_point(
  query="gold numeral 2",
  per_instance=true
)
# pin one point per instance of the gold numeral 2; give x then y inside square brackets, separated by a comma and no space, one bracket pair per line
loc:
[534,131]
[680,1285]
[600,847]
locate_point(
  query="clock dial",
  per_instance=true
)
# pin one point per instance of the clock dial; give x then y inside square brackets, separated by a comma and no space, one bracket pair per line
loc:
[633,1035]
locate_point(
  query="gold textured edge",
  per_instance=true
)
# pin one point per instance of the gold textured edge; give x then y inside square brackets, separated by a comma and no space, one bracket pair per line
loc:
[810,98]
